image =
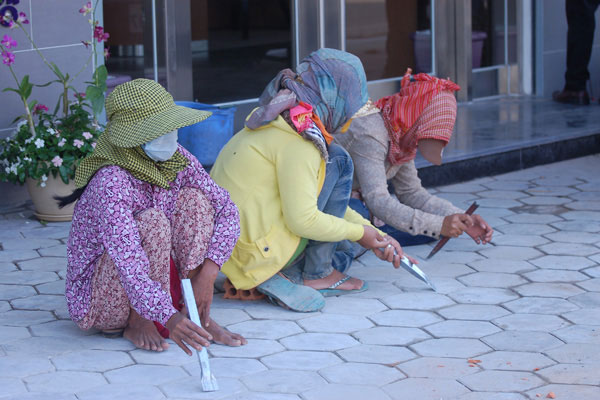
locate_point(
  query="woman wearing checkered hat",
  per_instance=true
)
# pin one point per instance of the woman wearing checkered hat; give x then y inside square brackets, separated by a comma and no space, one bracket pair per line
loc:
[383,143]
[147,215]
[292,187]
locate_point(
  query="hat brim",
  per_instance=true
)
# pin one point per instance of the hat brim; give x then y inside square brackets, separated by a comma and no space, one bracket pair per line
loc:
[138,133]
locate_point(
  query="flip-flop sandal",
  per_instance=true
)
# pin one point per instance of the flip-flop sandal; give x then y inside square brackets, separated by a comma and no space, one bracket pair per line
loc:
[332,291]
[295,297]
[112,333]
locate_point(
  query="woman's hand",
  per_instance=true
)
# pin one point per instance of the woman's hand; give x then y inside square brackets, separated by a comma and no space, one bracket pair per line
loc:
[454,225]
[182,331]
[203,284]
[481,232]
[383,247]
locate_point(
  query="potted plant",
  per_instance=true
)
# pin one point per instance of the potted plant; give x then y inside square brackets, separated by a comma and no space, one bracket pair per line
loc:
[47,145]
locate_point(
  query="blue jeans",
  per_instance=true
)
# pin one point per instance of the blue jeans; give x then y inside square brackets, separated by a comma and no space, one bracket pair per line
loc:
[320,258]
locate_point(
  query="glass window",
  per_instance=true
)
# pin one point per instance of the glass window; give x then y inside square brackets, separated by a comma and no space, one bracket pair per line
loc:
[389,36]
[488,30]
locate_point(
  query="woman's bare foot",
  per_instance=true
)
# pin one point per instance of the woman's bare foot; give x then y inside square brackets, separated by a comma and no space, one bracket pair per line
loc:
[335,276]
[223,336]
[143,334]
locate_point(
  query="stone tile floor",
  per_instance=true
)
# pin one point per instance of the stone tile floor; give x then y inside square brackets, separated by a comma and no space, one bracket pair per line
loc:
[517,319]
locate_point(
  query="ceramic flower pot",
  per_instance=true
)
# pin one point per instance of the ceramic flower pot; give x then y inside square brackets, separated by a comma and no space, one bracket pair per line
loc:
[46,208]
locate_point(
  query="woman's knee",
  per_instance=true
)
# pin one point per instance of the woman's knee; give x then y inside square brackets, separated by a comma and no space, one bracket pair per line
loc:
[339,155]
[152,220]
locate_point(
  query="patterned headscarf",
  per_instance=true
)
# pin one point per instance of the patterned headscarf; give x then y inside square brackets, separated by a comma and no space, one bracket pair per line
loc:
[425,108]
[332,81]
[132,159]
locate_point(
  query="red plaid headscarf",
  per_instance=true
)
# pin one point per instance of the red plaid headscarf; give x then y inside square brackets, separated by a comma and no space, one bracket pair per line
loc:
[423,109]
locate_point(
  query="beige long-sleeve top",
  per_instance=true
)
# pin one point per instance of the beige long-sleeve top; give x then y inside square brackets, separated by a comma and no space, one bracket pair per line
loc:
[410,208]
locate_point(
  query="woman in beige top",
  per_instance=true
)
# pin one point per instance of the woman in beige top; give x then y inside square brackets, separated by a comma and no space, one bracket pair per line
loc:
[383,144]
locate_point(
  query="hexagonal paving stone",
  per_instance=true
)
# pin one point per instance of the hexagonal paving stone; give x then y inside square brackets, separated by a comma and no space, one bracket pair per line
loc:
[462,329]
[27,277]
[582,215]
[425,389]
[492,279]
[21,366]
[447,285]
[344,392]
[500,265]
[335,323]
[573,237]
[589,316]
[579,334]
[408,318]
[283,381]
[7,267]
[264,310]
[457,257]
[17,255]
[551,191]
[586,300]
[25,318]
[54,251]
[555,275]
[463,187]
[40,302]
[265,329]
[595,271]
[172,356]
[499,203]
[122,392]
[575,374]
[496,381]
[531,322]
[12,386]
[529,218]
[525,229]
[445,270]
[64,381]
[562,290]
[473,312]
[584,196]
[92,360]
[417,301]
[450,347]
[519,240]
[44,264]
[545,200]
[592,285]
[56,287]
[490,396]
[145,374]
[187,388]
[436,367]
[228,367]
[480,295]
[353,306]
[584,205]
[505,184]
[385,335]
[11,333]
[501,194]
[569,249]
[47,232]
[303,360]
[377,290]
[43,346]
[576,353]
[377,354]
[579,392]
[522,341]
[254,349]
[30,244]
[361,374]
[578,226]
[510,253]
[514,361]
[540,305]
[228,316]
[318,341]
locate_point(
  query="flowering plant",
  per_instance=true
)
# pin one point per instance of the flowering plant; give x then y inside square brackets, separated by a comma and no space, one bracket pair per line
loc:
[47,142]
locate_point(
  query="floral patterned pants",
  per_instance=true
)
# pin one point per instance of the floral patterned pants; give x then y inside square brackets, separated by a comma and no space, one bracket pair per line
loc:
[185,239]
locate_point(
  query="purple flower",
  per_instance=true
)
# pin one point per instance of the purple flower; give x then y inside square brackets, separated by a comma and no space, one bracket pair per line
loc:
[100,35]
[78,143]
[8,42]
[106,53]
[86,9]
[62,142]
[22,18]
[39,108]
[57,161]
[87,135]
[8,58]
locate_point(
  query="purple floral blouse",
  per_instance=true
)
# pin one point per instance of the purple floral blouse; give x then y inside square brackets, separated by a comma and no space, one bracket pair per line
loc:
[104,221]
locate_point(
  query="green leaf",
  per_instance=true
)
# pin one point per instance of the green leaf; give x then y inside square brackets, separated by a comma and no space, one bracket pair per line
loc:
[32,104]
[100,75]
[47,83]
[58,103]
[96,97]
[8,89]
[57,72]
[18,118]
[64,174]
[25,87]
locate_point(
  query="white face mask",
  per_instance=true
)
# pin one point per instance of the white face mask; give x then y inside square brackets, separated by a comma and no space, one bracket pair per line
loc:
[162,148]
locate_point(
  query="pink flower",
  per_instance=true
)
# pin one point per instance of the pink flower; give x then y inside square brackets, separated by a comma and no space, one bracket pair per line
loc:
[94,145]
[57,161]
[78,143]
[87,135]
[7,18]
[100,35]
[22,18]
[106,53]
[39,108]
[86,9]
[62,142]
[8,58]
[8,42]
[79,96]
[301,116]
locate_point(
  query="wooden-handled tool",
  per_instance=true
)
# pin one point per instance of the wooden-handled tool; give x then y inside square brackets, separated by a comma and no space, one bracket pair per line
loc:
[444,239]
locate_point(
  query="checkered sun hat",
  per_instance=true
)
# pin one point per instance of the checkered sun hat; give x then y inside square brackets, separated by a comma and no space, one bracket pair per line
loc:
[142,110]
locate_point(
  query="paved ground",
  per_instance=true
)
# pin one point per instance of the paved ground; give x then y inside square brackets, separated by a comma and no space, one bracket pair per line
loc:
[518,319]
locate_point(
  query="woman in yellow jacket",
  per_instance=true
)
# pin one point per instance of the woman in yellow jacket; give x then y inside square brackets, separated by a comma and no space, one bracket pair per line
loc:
[292,187]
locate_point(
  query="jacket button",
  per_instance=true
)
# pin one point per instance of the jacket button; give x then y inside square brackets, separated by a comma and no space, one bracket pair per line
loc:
[266,249]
